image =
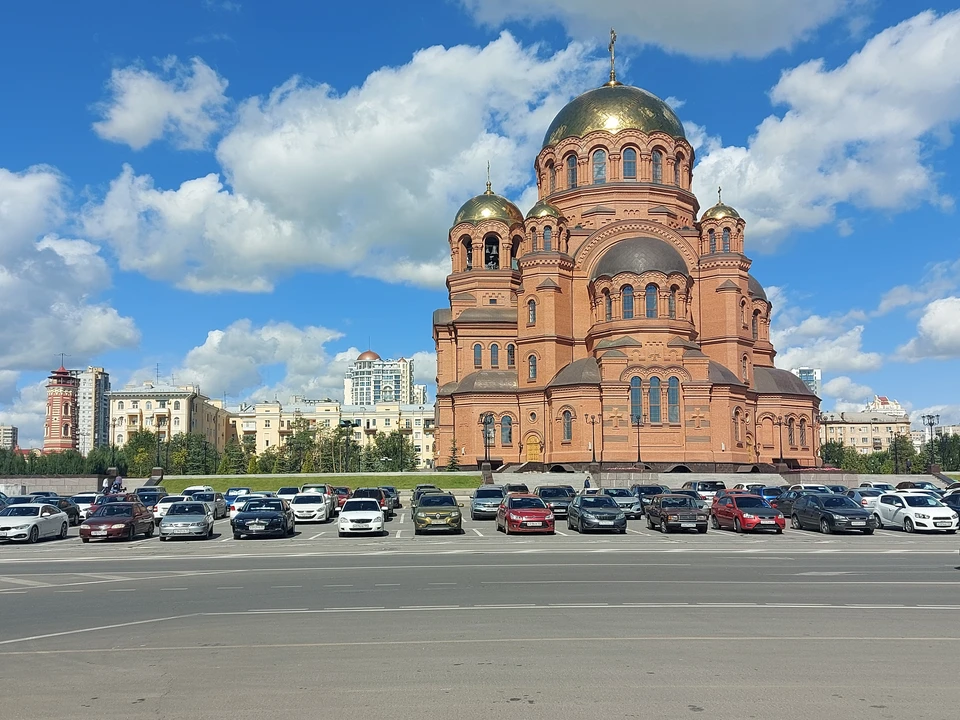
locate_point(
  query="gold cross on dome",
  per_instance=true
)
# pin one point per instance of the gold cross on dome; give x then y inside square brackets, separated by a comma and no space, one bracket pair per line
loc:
[612,48]
[719,195]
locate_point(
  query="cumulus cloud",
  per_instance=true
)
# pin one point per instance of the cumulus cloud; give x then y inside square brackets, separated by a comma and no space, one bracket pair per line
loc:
[848,395]
[185,102]
[27,410]
[938,281]
[366,181]
[861,133]
[938,332]
[691,27]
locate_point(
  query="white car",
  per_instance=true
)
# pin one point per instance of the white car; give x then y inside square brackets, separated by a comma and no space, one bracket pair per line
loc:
[915,511]
[360,515]
[310,507]
[811,487]
[878,485]
[332,501]
[163,504]
[749,486]
[83,501]
[288,493]
[190,491]
[241,500]
[32,521]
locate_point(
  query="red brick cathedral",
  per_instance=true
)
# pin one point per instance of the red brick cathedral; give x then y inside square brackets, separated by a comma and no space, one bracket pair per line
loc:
[612,323]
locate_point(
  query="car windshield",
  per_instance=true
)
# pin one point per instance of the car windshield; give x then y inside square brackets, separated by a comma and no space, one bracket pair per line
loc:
[922,501]
[437,501]
[264,505]
[678,502]
[517,488]
[389,489]
[839,501]
[489,493]
[361,506]
[368,493]
[104,499]
[649,490]
[598,502]
[711,485]
[617,492]
[205,497]
[549,492]
[770,491]
[342,490]
[85,499]
[868,492]
[187,509]
[171,499]
[113,511]
[288,491]
[20,511]
[527,503]
[237,491]
[309,499]
[751,502]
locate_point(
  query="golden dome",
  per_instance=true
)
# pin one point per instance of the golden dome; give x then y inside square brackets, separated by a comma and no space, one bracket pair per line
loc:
[488,206]
[613,108]
[368,355]
[719,212]
[543,209]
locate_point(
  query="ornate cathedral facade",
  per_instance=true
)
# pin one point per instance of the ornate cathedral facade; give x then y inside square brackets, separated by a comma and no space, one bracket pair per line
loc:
[613,323]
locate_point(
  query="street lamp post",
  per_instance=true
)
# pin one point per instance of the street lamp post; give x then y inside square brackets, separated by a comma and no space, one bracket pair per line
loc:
[593,420]
[931,421]
[638,421]
[487,423]
[896,454]
[780,428]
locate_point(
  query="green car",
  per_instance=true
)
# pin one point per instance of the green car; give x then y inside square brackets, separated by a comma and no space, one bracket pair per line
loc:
[437,511]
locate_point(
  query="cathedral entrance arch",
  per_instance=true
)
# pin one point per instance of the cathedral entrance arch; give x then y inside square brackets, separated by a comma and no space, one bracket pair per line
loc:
[534,448]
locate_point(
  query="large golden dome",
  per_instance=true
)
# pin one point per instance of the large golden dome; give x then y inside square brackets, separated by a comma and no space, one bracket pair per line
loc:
[613,108]
[488,206]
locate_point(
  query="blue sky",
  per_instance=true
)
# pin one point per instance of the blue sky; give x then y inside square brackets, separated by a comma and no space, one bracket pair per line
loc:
[248,193]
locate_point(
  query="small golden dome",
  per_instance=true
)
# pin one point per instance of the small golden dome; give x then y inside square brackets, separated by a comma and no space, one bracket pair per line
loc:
[368,355]
[543,209]
[488,206]
[613,107]
[719,212]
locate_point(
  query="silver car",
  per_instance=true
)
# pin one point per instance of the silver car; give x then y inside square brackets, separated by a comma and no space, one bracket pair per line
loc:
[215,501]
[187,519]
[32,521]
[626,500]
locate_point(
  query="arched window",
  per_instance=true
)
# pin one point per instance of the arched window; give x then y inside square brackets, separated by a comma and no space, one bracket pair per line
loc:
[651,297]
[478,355]
[653,400]
[755,325]
[673,400]
[66,409]
[532,367]
[567,426]
[494,355]
[599,167]
[66,431]
[571,171]
[489,430]
[534,244]
[636,401]
[120,439]
[743,313]
[743,370]
[626,302]
[726,239]
[506,431]
[658,167]
[149,405]
[511,356]
[607,306]
[676,169]
[630,164]
[468,253]
[713,241]
[176,422]
[531,312]
[547,239]
[491,253]
[672,303]
[792,432]
[552,177]
[736,425]
[120,405]
[803,432]
[176,404]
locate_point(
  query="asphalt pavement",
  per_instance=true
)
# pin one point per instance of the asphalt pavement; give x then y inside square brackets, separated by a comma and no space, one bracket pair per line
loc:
[479,625]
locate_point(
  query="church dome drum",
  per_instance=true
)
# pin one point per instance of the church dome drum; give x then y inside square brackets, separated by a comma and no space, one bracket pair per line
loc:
[639,255]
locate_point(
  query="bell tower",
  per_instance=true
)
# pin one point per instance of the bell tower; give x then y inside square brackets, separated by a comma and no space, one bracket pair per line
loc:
[60,427]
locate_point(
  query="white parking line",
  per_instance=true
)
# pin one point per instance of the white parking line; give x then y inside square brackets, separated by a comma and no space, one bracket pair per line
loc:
[398,532]
[561,532]
[479,534]
[637,532]
[402,515]
[318,535]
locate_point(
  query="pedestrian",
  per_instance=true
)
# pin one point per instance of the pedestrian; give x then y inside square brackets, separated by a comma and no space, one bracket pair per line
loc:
[105,486]
[586,483]
[117,484]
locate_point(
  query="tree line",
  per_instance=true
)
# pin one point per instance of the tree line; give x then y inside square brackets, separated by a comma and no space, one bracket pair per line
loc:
[901,458]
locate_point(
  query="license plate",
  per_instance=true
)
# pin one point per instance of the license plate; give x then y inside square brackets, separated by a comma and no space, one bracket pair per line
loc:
[606,522]
[770,522]
[438,522]
[688,524]
[181,531]
[98,532]
[534,524]
[943,524]
[3,533]
[859,522]
[361,525]
[256,527]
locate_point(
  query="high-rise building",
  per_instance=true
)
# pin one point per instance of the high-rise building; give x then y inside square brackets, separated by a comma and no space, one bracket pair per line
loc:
[93,408]
[419,395]
[9,437]
[60,431]
[371,380]
[883,404]
[812,378]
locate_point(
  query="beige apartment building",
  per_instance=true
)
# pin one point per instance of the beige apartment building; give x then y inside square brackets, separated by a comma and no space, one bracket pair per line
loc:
[864,431]
[168,410]
[9,439]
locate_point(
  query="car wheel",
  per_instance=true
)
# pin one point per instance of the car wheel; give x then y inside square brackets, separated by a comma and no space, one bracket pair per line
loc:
[580,528]
[131,534]
[908,525]
[84,540]
[737,527]
[663,527]
[713,522]
[163,538]
[869,531]
[703,530]
[237,536]
[34,534]
[879,522]
[416,531]
[825,526]
[149,532]
[649,523]
[795,523]
[63,531]
[210,533]
[951,532]
[473,515]
[506,528]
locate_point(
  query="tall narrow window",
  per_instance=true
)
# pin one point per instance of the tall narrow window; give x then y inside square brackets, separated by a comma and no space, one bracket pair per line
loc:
[176,404]
[552,177]
[651,297]
[571,171]
[677,164]
[491,253]
[66,431]
[672,303]
[478,355]
[673,400]
[468,253]
[547,239]
[792,432]
[599,167]
[713,241]
[567,426]
[532,367]
[726,239]
[755,325]
[743,313]
[506,431]
[736,425]
[743,370]
[607,306]
[803,432]
[658,167]
[626,302]
[494,355]
[630,164]
[534,245]
[653,400]
[511,356]
[531,312]
[636,401]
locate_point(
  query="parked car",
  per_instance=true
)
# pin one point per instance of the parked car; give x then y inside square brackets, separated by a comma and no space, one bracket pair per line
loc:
[420,490]
[164,503]
[557,497]
[516,488]
[194,489]
[625,500]
[706,489]
[216,502]
[485,501]
[343,494]
[596,512]
[746,513]
[288,493]
[676,512]
[865,497]
[187,519]
[44,494]
[240,501]
[749,486]
[102,500]
[146,490]
[30,522]
[151,499]
[67,506]
[727,493]
[525,513]
[233,493]
[838,489]
[784,503]
[811,487]
[394,496]
[768,492]
[83,502]
[437,511]
[311,507]
[645,493]
[918,485]
[360,516]
[830,513]
[375,493]
[914,511]
[118,520]
[885,486]
[689,493]
[264,516]
[329,493]
[952,502]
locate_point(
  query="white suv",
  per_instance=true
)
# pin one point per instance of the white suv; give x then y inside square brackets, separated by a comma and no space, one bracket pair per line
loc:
[915,511]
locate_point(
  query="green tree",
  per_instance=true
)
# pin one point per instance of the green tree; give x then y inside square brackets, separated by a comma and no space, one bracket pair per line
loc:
[453,462]
[140,451]
[233,461]
[252,466]
[832,453]
[852,461]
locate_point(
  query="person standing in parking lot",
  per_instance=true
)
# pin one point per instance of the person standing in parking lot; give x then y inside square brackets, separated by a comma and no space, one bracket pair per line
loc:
[586,483]
[105,486]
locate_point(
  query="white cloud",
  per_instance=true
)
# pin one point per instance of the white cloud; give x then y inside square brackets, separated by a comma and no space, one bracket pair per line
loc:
[27,411]
[848,396]
[860,133]
[425,369]
[939,280]
[938,332]
[184,102]
[949,415]
[365,181]
[746,28]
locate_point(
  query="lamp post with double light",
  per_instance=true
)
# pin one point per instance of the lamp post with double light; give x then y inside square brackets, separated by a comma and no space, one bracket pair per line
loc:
[594,420]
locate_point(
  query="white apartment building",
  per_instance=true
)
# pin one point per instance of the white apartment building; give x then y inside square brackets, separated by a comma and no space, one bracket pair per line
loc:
[866,432]
[93,409]
[370,380]
[167,410]
[883,404]
[9,437]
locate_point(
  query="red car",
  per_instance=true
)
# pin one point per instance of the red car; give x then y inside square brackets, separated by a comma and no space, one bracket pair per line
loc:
[118,520]
[727,493]
[111,498]
[343,494]
[745,513]
[523,512]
